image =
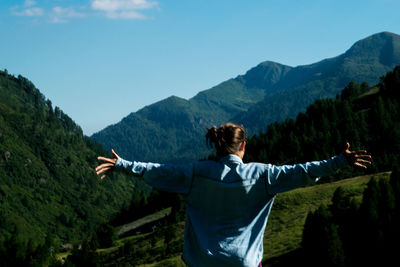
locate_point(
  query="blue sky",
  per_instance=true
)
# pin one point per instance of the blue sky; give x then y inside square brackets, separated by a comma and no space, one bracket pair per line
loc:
[99,60]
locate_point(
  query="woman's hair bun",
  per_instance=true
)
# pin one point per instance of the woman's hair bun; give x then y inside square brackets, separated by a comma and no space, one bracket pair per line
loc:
[226,139]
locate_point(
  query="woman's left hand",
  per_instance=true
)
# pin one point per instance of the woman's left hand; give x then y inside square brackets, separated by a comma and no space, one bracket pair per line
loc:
[108,164]
[357,158]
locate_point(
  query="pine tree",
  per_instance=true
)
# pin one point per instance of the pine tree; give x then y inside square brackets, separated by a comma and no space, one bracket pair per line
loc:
[395,184]
[321,240]
[351,91]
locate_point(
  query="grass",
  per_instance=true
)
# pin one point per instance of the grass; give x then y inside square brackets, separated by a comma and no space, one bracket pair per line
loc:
[142,221]
[286,221]
[62,256]
[372,91]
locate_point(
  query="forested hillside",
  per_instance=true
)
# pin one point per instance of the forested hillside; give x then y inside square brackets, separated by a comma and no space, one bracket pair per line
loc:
[48,187]
[367,117]
[173,129]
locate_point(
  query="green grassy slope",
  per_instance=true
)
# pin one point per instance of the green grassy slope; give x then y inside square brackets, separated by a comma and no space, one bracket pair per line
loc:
[285,225]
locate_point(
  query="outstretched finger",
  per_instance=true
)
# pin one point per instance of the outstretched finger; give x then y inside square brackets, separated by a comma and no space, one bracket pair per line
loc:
[360,152]
[104,165]
[347,146]
[358,156]
[364,161]
[106,159]
[359,165]
[114,154]
[102,170]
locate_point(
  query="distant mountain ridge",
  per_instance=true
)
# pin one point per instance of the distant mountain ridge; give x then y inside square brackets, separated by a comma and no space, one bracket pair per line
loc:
[365,61]
[173,129]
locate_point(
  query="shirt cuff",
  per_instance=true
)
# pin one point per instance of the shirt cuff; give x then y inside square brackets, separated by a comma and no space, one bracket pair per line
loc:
[341,161]
[137,168]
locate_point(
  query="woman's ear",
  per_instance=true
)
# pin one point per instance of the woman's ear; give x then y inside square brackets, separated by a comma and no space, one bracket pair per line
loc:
[242,146]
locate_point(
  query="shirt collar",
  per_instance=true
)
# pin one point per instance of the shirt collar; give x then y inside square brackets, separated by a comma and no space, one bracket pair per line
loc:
[231,158]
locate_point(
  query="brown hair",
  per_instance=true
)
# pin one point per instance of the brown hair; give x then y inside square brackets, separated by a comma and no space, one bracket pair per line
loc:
[226,138]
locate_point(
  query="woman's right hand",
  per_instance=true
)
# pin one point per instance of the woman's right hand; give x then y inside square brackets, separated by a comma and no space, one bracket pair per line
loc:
[108,164]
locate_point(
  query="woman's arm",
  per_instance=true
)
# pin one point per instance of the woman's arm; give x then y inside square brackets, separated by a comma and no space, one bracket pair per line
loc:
[288,177]
[170,177]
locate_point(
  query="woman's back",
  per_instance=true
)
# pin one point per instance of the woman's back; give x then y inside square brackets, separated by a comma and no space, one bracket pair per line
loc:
[227,210]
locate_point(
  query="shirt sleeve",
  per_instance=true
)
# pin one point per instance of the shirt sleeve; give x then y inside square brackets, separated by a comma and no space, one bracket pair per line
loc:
[288,177]
[170,177]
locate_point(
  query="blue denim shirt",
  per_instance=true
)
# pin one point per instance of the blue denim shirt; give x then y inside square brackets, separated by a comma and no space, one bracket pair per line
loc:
[228,202]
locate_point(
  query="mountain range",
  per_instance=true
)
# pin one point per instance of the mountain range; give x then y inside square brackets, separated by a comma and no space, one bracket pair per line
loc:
[172,130]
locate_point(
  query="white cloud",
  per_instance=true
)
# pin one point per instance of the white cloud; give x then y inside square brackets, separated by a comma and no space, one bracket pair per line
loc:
[29,3]
[125,15]
[62,14]
[126,9]
[28,9]
[30,12]
[118,5]
[114,9]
